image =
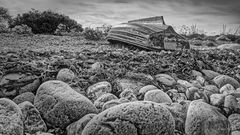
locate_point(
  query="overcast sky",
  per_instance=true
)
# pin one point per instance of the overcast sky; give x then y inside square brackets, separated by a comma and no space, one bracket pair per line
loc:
[208,15]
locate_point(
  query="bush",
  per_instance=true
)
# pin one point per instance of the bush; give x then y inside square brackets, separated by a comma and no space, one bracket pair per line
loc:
[3,28]
[4,14]
[22,29]
[106,29]
[45,22]
[63,31]
[92,34]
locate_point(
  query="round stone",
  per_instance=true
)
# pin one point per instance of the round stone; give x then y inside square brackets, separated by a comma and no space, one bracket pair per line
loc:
[135,118]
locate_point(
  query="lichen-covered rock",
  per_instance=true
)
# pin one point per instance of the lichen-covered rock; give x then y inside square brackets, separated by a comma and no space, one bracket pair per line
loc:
[128,94]
[103,99]
[11,118]
[217,99]
[65,75]
[98,89]
[77,127]
[234,120]
[204,119]
[32,119]
[179,113]
[209,74]
[110,104]
[27,96]
[165,79]
[32,87]
[222,80]
[133,118]
[227,88]
[60,105]
[157,96]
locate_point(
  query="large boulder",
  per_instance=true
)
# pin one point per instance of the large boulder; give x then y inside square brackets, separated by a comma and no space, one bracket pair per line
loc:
[60,105]
[27,96]
[157,96]
[11,118]
[204,119]
[133,118]
[32,119]
[77,127]
[222,80]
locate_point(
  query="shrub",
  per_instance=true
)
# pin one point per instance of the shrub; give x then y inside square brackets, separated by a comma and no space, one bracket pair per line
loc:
[63,31]
[4,14]
[106,28]
[3,28]
[22,29]
[92,34]
[45,22]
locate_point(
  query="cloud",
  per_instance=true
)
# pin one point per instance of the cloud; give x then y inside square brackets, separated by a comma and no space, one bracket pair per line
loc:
[207,14]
